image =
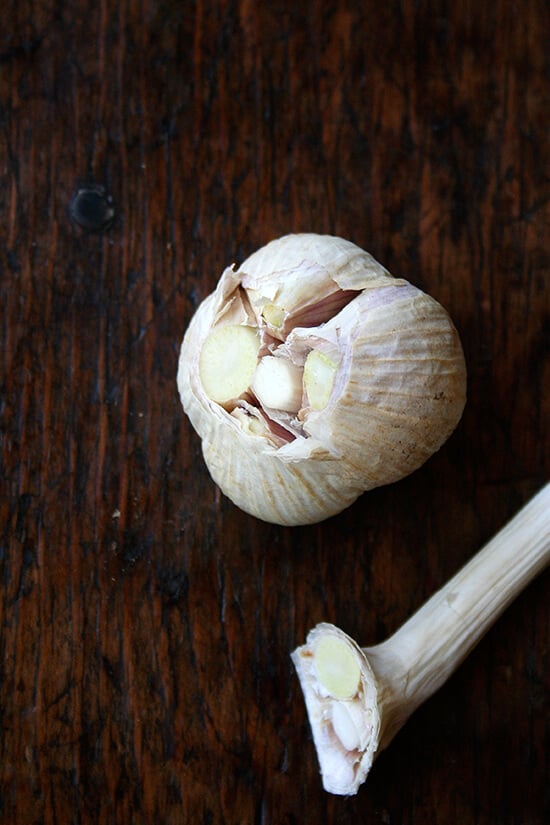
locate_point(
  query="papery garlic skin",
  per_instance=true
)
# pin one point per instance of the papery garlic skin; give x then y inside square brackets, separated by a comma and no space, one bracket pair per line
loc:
[397,392]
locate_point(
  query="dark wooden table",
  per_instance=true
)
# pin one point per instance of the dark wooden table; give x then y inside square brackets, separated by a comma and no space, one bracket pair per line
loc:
[145,622]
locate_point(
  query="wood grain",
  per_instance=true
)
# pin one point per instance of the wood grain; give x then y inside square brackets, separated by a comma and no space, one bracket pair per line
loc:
[146,623]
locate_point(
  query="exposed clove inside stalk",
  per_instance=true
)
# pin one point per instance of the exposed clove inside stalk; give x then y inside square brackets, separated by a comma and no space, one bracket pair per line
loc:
[358,699]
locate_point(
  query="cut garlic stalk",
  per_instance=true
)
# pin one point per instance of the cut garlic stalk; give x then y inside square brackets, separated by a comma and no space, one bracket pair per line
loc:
[357,378]
[358,699]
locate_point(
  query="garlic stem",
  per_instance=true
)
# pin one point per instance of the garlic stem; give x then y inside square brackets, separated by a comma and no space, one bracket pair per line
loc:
[424,652]
[345,726]
[414,662]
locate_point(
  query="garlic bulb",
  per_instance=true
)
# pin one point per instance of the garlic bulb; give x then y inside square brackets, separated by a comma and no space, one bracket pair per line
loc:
[311,375]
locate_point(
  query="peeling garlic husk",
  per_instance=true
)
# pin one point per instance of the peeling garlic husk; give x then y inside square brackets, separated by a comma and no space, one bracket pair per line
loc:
[398,390]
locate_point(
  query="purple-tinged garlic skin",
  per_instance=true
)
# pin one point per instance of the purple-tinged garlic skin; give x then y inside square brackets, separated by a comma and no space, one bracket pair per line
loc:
[397,393]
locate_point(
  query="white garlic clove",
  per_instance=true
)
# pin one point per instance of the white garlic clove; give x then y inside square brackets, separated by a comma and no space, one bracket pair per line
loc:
[319,376]
[277,384]
[346,726]
[373,380]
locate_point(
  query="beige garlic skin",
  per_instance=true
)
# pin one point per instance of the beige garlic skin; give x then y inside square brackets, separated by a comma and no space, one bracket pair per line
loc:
[397,393]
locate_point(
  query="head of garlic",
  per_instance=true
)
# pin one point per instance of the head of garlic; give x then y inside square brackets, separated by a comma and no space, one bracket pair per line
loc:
[312,375]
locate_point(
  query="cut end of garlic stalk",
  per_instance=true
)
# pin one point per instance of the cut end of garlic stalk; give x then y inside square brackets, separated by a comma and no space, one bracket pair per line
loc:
[227,361]
[358,699]
[340,692]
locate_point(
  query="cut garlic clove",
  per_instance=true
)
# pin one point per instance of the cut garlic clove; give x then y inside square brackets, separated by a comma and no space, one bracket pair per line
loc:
[227,361]
[337,667]
[319,375]
[277,384]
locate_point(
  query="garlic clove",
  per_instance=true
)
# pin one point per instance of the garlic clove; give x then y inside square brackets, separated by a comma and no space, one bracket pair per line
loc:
[277,384]
[228,360]
[347,723]
[273,315]
[319,375]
